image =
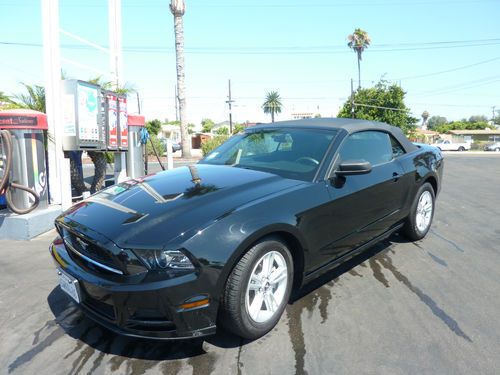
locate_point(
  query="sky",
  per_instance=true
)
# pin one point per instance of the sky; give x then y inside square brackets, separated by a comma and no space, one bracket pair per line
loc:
[444,53]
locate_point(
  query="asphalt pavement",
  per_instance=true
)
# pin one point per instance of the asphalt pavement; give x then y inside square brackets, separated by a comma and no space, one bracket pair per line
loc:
[430,307]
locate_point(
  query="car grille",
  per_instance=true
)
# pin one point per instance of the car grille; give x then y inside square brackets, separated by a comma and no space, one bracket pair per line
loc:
[92,255]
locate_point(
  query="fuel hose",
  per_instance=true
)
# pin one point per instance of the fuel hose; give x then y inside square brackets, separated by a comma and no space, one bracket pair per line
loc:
[5,185]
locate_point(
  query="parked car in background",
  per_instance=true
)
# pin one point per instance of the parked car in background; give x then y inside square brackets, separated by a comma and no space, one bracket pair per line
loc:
[225,241]
[493,147]
[445,145]
[175,146]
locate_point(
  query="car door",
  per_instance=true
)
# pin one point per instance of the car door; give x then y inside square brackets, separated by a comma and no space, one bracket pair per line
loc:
[364,206]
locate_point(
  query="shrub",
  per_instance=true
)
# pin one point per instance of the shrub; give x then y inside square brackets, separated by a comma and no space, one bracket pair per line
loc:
[160,149]
[212,143]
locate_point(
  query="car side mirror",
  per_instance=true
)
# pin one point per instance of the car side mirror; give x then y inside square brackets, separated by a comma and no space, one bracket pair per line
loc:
[353,167]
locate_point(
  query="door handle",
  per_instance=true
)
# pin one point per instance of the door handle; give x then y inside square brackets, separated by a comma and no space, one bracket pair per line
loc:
[395,176]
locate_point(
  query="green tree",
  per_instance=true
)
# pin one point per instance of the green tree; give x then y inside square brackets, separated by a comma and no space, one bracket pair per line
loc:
[273,104]
[34,98]
[462,125]
[478,118]
[359,40]
[384,103]
[153,127]
[209,144]
[435,121]
[207,125]
[5,101]
[222,131]
[178,8]
[237,128]
[127,88]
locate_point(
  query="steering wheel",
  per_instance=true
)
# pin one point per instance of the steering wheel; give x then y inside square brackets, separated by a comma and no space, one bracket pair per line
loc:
[308,159]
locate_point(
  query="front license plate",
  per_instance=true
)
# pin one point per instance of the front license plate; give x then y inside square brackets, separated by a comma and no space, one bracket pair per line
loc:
[70,285]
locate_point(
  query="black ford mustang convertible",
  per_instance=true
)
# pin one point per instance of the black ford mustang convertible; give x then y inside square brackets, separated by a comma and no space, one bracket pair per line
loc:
[226,240]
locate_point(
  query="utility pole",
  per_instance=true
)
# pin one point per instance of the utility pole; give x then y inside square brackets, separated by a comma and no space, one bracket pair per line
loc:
[138,102]
[229,101]
[493,110]
[352,99]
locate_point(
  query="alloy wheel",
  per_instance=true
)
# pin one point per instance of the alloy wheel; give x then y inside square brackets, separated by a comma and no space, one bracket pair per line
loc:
[266,287]
[424,211]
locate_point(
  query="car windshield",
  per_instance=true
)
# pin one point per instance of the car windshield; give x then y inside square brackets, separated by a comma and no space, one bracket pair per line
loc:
[290,153]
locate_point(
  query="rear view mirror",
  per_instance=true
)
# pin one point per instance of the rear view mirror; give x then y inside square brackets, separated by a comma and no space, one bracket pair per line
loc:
[352,167]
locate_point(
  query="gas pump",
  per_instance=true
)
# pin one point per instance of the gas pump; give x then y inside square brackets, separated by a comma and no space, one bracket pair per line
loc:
[135,162]
[23,179]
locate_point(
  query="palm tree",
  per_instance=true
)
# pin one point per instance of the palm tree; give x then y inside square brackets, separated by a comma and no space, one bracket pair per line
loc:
[359,40]
[34,99]
[425,116]
[272,104]
[178,8]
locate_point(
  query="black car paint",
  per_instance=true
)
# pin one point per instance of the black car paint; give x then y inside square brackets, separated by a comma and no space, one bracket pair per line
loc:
[221,212]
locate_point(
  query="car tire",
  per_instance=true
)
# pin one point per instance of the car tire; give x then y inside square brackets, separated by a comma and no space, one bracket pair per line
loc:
[419,221]
[461,148]
[497,149]
[241,313]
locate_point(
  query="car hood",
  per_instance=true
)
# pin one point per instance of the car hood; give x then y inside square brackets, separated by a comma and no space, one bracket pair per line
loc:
[153,210]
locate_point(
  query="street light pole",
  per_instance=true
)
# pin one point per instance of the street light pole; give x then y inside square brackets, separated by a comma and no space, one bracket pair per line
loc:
[229,101]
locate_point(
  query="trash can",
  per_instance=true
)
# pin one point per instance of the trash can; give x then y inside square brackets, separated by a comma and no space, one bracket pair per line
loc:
[135,162]
[28,166]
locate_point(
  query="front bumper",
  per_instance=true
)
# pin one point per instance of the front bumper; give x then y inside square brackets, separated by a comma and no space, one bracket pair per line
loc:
[146,310]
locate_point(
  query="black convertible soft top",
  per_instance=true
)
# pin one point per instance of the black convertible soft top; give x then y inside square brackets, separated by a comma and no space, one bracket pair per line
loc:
[348,124]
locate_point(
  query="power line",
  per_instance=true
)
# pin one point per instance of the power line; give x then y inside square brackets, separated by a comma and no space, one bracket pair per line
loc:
[449,70]
[232,4]
[291,50]
[381,107]
[461,86]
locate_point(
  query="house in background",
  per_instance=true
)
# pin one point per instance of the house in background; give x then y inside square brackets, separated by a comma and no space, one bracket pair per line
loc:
[426,136]
[302,115]
[170,131]
[475,136]
[220,125]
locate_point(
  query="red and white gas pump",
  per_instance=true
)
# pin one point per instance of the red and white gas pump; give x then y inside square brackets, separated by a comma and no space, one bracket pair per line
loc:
[23,174]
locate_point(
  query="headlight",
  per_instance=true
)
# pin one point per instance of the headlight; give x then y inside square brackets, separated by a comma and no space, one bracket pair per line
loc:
[163,259]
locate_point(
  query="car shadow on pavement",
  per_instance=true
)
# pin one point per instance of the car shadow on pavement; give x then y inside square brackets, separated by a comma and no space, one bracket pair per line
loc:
[345,267]
[75,324]
[78,326]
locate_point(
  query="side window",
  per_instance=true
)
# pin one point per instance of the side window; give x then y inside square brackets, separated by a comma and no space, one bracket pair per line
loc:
[397,149]
[372,146]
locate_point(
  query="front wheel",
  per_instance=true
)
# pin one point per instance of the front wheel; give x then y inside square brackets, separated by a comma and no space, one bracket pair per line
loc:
[461,148]
[258,289]
[419,221]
